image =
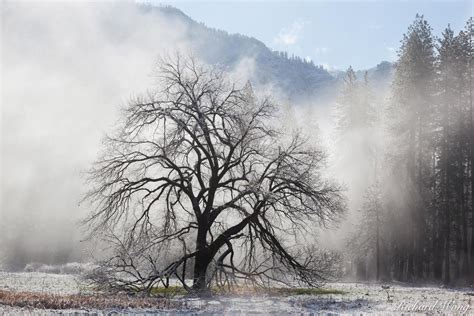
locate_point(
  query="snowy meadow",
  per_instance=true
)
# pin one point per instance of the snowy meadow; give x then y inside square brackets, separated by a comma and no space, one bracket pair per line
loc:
[354,298]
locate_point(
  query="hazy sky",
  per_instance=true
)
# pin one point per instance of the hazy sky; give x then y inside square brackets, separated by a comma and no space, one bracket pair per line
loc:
[334,33]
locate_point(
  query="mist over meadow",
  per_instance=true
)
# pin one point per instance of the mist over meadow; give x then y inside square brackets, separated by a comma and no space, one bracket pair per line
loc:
[69,69]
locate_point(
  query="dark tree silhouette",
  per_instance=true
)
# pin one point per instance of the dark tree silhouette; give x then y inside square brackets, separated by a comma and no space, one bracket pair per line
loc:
[200,164]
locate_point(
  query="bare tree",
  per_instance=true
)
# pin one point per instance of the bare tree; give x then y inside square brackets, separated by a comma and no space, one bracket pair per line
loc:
[200,166]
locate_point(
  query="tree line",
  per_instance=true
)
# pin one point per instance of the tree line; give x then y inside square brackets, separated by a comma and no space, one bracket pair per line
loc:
[416,220]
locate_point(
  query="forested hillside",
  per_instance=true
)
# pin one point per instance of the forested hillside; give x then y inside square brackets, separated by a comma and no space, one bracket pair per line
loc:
[293,76]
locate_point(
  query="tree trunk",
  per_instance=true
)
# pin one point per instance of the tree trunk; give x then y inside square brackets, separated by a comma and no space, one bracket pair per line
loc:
[438,248]
[377,249]
[458,247]
[465,252]
[471,139]
[201,264]
[447,267]
[201,261]
[471,153]
[446,189]
[400,267]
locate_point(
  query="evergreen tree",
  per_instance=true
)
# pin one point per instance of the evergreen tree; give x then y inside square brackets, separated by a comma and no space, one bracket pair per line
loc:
[358,152]
[413,95]
[346,120]
[467,40]
[418,225]
[446,159]
[366,243]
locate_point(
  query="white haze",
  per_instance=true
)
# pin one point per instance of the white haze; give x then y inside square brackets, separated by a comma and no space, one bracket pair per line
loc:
[67,69]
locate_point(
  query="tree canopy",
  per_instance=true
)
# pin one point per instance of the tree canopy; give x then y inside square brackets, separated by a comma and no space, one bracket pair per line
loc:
[200,167]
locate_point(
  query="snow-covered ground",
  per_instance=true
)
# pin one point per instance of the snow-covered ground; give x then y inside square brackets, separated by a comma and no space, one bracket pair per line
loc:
[41,282]
[358,298]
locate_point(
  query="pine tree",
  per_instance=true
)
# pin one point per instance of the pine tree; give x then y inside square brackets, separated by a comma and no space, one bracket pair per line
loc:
[446,167]
[365,243]
[453,156]
[468,53]
[347,103]
[356,121]
[413,93]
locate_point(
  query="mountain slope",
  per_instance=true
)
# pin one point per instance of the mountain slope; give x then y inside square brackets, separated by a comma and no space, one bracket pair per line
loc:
[294,76]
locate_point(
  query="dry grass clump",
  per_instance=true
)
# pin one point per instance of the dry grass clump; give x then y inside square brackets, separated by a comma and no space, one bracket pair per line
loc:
[32,300]
[243,290]
[276,291]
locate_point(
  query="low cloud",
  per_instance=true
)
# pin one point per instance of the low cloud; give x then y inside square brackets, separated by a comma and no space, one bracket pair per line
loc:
[70,68]
[392,53]
[290,35]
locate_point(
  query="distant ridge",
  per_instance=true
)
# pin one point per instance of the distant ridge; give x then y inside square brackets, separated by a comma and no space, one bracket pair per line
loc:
[294,76]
